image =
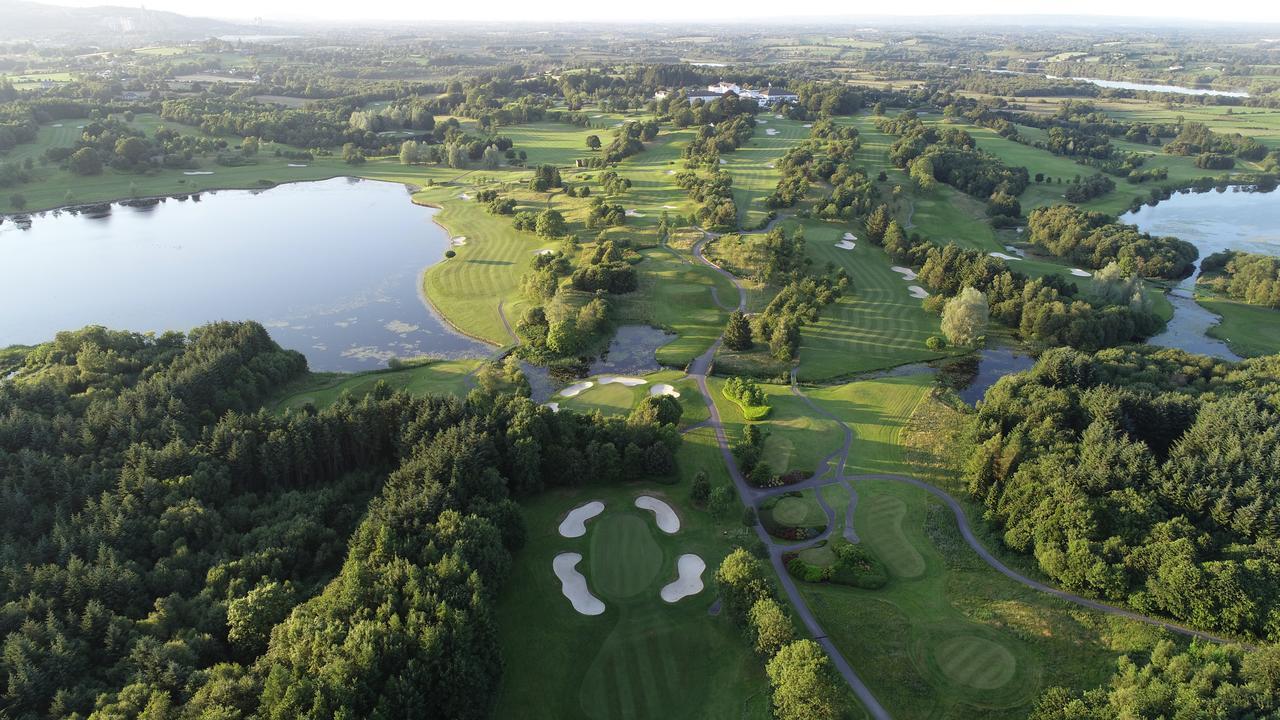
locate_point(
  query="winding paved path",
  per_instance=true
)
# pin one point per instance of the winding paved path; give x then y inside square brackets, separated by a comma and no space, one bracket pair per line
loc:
[834,464]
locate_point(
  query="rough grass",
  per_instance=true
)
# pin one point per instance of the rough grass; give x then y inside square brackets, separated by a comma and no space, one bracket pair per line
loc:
[1249,330]
[876,411]
[641,658]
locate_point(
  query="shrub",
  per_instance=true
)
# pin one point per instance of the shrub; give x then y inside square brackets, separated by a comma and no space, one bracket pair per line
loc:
[935,342]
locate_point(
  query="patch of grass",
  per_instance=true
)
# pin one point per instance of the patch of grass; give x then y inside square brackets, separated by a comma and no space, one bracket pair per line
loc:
[876,411]
[793,430]
[1249,330]
[440,377]
[643,657]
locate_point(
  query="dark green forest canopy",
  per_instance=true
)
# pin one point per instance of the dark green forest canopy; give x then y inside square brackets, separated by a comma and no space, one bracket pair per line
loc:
[1143,475]
[171,550]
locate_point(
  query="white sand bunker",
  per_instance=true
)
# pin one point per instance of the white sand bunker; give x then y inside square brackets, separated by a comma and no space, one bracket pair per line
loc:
[668,522]
[57,125]
[671,172]
[552,406]
[1004,256]
[297,165]
[574,585]
[664,389]
[594,117]
[464,196]
[906,273]
[688,580]
[808,124]
[577,388]
[622,380]
[543,251]
[850,236]
[917,291]
[1081,273]
[723,161]
[574,524]
[633,213]
[846,245]
[770,131]
[460,240]
[762,122]
[779,117]
[669,207]
[198,172]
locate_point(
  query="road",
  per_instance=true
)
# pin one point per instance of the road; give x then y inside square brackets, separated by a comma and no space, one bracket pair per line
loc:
[831,471]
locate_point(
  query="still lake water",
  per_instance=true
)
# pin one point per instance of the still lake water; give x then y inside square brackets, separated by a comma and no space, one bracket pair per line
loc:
[1149,87]
[1212,221]
[333,269]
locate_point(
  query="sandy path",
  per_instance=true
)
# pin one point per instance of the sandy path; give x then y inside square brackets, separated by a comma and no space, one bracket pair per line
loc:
[574,585]
[689,569]
[668,521]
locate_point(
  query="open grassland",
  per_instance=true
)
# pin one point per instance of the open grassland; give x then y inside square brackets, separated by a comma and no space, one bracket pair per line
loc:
[876,411]
[796,438]
[1260,123]
[440,377]
[876,325]
[1249,330]
[948,637]
[643,658]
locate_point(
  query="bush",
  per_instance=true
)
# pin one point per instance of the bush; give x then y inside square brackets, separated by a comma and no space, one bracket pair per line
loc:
[935,342]
[748,396]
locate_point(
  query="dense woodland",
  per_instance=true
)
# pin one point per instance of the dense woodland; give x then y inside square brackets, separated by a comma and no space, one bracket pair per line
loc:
[173,551]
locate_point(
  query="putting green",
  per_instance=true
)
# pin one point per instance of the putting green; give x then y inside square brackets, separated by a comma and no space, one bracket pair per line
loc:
[976,662]
[883,532]
[791,510]
[625,559]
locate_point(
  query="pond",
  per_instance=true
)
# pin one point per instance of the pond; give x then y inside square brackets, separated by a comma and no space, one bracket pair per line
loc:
[1212,221]
[992,363]
[333,269]
[632,351]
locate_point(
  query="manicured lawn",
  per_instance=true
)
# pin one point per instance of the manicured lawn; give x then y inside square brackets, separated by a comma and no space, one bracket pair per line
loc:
[1249,330]
[876,411]
[676,294]
[642,658]
[948,637]
[877,325]
[442,377]
[796,438]
[753,178]
[618,399]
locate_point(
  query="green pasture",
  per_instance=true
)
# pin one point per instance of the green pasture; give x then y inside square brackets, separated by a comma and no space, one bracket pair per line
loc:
[438,377]
[642,658]
[878,324]
[948,637]
[876,411]
[1260,123]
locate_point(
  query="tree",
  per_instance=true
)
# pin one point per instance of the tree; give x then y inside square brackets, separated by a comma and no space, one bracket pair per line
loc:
[593,142]
[352,155]
[922,173]
[803,686]
[409,154]
[132,149]
[742,582]
[563,337]
[657,410]
[492,158]
[964,319]
[85,161]
[249,146]
[737,334]
[700,489]
[250,618]
[769,626]
[551,224]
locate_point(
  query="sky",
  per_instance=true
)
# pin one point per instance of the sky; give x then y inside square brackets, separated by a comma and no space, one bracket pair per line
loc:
[595,10]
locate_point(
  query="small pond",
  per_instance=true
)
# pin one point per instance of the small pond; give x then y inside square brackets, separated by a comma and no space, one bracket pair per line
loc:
[988,366]
[1234,219]
[333,269]
[632,351]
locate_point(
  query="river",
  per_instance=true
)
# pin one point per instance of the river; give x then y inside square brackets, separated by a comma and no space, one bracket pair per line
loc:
[333,269]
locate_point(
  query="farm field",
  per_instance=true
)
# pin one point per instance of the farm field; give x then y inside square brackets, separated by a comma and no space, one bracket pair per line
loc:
[642,657]
[948,637]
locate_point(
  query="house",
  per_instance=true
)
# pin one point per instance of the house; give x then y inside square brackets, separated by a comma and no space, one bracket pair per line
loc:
[765,98]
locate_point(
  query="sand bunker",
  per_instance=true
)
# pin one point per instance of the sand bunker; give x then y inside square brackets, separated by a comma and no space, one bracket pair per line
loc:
[845,245]
[575,523]
[621,380]
[576,389]
[906,273]
[460,240]
[297,165]
[762,122]
[688,580]
[669,207]
[664,389]
[917,291]
[1081,273]
[198,172]
[594,117]
[1004,256]
[770,131]
[723,161]
[57,125]
[779,117]
[633,213]
[552,406]
[574,585]
[668,522]
[850,236]
[808,124]
[464,196]
[543,251]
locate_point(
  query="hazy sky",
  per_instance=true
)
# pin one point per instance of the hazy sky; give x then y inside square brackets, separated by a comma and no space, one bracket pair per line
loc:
[499,10]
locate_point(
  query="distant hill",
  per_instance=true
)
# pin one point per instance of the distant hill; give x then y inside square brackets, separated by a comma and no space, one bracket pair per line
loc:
[21,20]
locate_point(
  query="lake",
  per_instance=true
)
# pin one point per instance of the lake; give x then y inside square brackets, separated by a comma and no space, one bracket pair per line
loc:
[1149,87]
[333,269]
[1213,221]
